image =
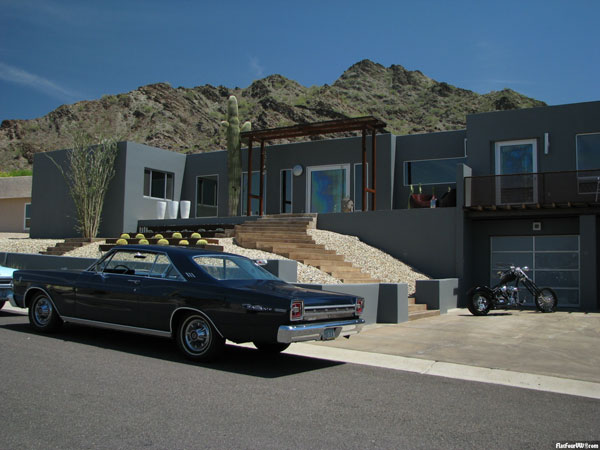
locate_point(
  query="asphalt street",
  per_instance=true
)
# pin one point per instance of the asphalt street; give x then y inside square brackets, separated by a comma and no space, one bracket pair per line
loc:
[91,388]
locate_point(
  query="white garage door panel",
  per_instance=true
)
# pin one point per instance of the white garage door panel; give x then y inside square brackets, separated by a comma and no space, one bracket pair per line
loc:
[553,262]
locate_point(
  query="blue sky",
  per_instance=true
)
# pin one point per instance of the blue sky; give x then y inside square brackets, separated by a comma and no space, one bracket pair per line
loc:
[61,51]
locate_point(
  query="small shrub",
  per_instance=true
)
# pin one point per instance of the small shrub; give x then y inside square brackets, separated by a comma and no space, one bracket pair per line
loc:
[121,241]
[163,242]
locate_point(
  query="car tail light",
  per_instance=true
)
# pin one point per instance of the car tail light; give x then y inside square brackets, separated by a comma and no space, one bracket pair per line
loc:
[360,305]
[297,310]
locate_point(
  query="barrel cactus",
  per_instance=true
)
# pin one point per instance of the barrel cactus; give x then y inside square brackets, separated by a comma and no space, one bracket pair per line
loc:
[158,236]
[202,242]
[176,235]
[195,236]
[143,241]
[125,236]
[140,236]
[163,242]
[121,241]
[183,242]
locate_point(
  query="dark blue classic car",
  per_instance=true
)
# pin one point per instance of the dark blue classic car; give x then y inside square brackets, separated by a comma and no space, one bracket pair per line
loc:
[199,298]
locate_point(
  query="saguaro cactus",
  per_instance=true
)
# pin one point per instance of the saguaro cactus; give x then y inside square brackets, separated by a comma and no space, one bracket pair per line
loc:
[234,154]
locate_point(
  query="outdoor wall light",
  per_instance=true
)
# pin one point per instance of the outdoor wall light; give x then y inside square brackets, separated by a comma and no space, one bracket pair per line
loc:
[537,226]
[297,170]
[546,143]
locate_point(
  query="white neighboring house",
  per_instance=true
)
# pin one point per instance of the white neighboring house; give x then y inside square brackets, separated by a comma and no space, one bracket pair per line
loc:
[15,204]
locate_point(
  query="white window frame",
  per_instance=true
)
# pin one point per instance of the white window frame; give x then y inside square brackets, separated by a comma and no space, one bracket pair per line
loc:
[25,227]
[165,190]
[281,190]
[196,195]
[311,169]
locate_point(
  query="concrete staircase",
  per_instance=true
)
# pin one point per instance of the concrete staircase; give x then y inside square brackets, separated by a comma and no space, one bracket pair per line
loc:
[286,235]
[67,245]
[419,311]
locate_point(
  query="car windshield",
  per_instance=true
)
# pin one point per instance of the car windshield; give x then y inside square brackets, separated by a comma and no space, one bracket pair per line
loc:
[232,268]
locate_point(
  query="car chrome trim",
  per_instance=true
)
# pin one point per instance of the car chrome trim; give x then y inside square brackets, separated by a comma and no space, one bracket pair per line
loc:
[116,326]
[195,310]
[315,332]
[45,292]
[329,312]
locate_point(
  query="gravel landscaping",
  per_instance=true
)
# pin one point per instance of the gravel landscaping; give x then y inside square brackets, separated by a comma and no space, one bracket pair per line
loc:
[376,263]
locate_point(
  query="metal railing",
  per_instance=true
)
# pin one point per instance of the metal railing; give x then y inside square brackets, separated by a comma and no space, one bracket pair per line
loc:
[576,188]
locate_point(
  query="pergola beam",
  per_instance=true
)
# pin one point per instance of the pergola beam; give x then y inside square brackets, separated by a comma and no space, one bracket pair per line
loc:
[363,124]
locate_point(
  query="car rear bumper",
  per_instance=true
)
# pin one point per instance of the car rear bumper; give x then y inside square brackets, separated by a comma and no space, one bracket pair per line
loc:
[316,331]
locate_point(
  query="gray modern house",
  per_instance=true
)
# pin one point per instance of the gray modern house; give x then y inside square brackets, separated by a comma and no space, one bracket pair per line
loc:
[515,187]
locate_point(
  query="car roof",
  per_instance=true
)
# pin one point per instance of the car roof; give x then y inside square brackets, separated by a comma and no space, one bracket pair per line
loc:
[171,250]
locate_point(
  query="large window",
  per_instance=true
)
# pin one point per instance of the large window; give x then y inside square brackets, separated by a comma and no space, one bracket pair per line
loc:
[158,184]
[286,191]
[207,192]
[588,151]
[254,203]
[27,219]
[431,171]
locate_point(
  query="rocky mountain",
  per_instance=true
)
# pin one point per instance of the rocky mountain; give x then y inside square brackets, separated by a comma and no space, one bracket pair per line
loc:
[188,119]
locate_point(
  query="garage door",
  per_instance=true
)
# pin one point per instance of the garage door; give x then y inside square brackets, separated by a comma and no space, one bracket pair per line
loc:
[553,262]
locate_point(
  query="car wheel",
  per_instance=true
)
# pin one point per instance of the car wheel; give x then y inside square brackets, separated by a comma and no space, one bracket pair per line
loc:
[270,347]
[198,340]
[43,315]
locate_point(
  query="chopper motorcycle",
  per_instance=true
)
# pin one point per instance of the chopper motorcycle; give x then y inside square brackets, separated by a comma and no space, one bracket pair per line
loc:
[482,299]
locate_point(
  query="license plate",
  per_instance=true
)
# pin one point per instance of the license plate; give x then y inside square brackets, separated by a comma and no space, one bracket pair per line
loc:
[328,334]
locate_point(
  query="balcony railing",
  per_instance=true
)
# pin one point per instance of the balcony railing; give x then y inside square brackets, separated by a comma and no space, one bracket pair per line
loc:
[579,188]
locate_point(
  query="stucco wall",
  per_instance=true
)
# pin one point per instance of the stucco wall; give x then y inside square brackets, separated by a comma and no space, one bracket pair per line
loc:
[12,214]
[423,238]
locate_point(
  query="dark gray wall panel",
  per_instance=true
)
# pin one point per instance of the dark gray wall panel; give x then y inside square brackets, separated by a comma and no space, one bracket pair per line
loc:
[422,238]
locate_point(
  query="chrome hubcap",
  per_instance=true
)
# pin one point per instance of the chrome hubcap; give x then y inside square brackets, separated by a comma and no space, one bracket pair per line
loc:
[545,302]
[197,335]
[42,311]
[481,303]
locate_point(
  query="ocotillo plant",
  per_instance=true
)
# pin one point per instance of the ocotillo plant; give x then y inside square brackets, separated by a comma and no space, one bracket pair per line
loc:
[234,154]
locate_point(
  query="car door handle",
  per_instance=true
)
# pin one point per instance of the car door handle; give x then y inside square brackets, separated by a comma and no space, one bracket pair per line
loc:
[134,281]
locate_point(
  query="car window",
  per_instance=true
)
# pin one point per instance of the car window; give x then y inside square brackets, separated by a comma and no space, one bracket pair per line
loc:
[129,263]
[164,268]
[232,268]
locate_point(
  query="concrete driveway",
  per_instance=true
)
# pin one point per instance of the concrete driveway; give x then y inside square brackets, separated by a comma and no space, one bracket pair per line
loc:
[561,344]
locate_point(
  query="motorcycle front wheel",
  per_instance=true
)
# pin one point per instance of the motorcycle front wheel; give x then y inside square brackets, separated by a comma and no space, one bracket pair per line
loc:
[479,304]
[546,300]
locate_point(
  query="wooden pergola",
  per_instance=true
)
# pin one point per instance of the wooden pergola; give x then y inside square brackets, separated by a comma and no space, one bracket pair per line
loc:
[364,124]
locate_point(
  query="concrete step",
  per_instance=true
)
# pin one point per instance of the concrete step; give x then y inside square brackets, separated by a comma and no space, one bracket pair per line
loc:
[328,264]
[244,241]
[275,248]
[318,254]
[412,300]
[416,307]
[283,235]
[423,314]
[259,228]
